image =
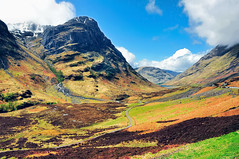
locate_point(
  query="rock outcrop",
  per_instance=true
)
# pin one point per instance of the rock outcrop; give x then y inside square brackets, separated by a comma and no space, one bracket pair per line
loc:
[89,62]
[8,46]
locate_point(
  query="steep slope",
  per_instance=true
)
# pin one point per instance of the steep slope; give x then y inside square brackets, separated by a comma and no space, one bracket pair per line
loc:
[155,75]
[90,63]
[21,71]
[218,65]
[8,46]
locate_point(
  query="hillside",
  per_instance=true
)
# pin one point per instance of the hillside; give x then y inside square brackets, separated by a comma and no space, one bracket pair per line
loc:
[156,75]
[219,64]
[76,53]
[68,92]
[21,71]
[90,63]
[181,122]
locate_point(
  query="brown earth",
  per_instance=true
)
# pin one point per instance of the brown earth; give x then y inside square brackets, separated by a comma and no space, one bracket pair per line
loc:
[79,115]
[64,116]
[189,131]
[8,124]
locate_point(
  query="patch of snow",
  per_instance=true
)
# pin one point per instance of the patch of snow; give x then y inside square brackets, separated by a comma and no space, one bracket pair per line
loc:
[36,29]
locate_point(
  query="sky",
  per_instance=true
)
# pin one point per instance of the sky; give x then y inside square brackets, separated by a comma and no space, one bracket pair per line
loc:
[169,34]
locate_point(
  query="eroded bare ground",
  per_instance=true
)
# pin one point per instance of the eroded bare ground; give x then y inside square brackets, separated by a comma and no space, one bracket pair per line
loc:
[30,127]
[189,131]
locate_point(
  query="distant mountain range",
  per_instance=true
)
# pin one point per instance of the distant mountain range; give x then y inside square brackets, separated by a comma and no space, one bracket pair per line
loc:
[156,75]
[220,64]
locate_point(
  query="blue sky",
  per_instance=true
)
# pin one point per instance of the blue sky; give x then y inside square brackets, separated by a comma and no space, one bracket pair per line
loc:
[147,35]
[159,33]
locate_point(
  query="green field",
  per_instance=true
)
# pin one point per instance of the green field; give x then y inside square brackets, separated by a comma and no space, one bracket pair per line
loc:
[223,147]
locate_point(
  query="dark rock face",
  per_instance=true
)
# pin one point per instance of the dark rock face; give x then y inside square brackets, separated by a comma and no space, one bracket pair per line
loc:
[82,32]
[8,46]
[6,38]
[82,35]
[217,51]
[79,55]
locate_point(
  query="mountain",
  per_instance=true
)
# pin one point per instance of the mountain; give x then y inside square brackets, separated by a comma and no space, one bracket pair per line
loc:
[8,46]
[156,75]
[90,63]
[219,64]
[22,71]
[172,72]
[79,57]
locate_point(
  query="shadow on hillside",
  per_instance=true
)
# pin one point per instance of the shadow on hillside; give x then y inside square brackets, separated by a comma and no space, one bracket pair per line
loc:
[189,131]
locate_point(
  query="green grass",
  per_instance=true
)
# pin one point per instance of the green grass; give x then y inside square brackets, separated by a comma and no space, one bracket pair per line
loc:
[58,74]
[142,113]
[134,104]
[223,147]
[13,106]
[226,146]
[110,123]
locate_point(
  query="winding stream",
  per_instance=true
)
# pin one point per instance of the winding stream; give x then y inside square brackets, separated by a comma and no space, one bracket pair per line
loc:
[74,98]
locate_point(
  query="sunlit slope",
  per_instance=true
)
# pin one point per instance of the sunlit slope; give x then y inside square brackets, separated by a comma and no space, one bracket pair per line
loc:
[22,70]
[90,63]
[220,63]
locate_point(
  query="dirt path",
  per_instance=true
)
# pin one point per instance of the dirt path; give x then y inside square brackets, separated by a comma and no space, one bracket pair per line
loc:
[85,140]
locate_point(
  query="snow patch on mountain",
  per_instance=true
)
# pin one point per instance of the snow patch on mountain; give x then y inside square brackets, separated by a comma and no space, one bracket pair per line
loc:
[35,29]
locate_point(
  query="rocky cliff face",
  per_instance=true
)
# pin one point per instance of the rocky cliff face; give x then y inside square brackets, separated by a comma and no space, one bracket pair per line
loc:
[80,34]
[76,53]
[8,46]
[155,75]
[81,37]
[220,63]
[90,63]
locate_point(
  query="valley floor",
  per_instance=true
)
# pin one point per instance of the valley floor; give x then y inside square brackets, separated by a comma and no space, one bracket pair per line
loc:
[177,123]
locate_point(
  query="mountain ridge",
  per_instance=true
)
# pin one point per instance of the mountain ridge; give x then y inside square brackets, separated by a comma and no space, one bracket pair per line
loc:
[83,57]
[81,38]
[156,75]
[219,63]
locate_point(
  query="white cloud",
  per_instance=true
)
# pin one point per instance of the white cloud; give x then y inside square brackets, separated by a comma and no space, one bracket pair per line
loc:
[45,12]
[215,20]
[130,57]
[152,8]
[179,62]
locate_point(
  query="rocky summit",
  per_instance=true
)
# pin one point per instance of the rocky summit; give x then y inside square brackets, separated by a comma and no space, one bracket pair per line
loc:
[75,55]
[67,92]
[90,63]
